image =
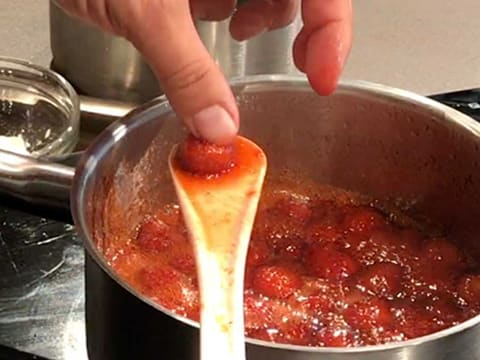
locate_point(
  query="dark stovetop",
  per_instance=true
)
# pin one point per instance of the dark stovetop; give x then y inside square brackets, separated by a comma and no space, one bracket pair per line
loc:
[41,287]
[41,274]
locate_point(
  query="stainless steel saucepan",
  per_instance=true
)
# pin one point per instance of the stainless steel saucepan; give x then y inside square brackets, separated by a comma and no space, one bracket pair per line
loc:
[384,142]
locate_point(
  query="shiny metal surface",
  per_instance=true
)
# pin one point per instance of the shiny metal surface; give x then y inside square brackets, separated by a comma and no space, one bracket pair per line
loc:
[97,113]
[103,66]
[383,142]
[36,181]
[95,107]
[109,67]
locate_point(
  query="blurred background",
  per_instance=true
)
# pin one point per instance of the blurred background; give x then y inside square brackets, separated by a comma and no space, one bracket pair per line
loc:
[426,46]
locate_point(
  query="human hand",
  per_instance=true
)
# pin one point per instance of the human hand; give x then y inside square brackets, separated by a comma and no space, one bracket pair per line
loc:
[321,47]
[164,32]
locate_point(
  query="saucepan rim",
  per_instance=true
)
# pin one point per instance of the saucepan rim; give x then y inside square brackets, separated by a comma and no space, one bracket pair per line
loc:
[160,107]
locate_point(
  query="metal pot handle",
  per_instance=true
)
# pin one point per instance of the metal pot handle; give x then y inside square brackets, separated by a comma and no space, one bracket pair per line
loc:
[97,113]
[35,181]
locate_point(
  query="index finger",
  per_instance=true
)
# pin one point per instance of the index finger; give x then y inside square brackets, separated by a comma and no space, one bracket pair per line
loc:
[324,42]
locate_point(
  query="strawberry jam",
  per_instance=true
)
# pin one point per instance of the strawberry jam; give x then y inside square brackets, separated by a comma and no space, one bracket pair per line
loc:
[319,272]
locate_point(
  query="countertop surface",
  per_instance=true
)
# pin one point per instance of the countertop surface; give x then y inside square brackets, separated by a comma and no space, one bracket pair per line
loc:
[425,46]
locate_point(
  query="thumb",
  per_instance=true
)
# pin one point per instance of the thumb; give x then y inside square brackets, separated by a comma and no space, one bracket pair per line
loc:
[193,83]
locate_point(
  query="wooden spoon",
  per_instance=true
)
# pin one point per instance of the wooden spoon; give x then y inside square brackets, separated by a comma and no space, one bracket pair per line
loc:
[219,213]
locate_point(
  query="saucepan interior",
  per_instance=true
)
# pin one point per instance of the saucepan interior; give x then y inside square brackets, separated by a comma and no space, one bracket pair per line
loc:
[391,145]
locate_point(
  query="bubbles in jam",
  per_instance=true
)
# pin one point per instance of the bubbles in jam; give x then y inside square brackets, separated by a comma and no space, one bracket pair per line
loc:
[319,273]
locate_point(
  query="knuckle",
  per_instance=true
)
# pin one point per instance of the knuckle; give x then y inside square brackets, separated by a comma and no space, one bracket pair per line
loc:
[287,12]
[187,75]
[213,10]
[224,9]
[161,7]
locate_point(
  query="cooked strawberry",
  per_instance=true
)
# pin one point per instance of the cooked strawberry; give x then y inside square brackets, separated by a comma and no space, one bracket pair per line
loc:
[258,253]
[469,289]
[319,232]
[330,263]
[416,321]
[320,303]
[382,279]
[295,333]
[203,158]
[360,219]
[441,253]
[259,310]
[271,227]
[264,334]
[369,314]
[183,259]
[276,281]
[248,278]
[336,335]
[290,248]
[295,207]
[155,235]
[164,283]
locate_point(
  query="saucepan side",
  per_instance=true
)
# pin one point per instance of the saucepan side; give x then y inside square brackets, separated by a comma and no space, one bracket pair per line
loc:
[383,142]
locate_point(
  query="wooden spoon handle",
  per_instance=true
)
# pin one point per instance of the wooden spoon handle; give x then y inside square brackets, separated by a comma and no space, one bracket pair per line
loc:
[221,322]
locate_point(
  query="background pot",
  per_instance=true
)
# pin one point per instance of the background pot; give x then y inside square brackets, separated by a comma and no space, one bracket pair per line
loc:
[384,142]
[101,65]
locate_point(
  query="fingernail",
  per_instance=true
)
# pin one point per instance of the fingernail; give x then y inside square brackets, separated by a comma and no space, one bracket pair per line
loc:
[214,124]
[191,127]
